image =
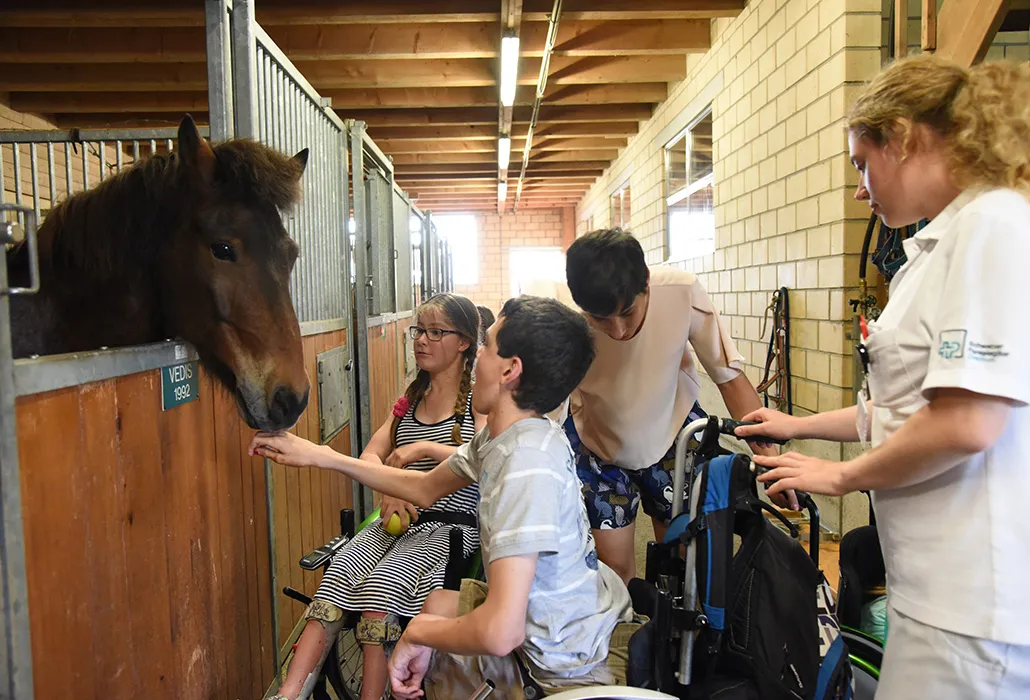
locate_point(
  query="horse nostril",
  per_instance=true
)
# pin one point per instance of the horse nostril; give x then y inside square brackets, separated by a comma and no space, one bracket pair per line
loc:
[286,406]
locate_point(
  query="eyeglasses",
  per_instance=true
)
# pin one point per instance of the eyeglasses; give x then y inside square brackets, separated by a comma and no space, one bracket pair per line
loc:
[434,334]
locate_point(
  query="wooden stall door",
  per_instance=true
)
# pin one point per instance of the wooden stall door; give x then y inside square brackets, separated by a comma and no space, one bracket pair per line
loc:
[147,540]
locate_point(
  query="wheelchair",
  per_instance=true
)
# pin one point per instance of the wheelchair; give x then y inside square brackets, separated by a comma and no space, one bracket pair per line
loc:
[343,667]
[671,580]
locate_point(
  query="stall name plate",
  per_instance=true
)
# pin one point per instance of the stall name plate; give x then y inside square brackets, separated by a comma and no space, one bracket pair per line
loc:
[178,384]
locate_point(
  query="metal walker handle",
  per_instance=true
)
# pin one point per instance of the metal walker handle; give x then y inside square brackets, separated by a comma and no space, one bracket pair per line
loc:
[7,236]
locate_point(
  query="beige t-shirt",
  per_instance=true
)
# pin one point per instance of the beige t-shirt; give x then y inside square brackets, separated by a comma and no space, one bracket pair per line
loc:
[637,393]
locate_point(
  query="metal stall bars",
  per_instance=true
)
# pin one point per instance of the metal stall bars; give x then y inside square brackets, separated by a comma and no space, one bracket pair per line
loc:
[404,214]
[61,163]
[372,169]
[16,647]
[430,257]
[274,103]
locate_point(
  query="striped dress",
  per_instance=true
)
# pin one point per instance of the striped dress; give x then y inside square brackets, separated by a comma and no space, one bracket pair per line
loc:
[377,572]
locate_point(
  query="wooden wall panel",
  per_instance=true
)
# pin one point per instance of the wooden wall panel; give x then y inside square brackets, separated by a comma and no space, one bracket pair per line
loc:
[146,539]
[385,351]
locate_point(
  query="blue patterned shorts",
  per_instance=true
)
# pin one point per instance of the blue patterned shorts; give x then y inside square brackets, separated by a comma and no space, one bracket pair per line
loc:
[613,494]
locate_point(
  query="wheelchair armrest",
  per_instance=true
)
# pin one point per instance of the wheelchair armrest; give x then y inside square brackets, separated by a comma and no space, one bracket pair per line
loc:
[318,558]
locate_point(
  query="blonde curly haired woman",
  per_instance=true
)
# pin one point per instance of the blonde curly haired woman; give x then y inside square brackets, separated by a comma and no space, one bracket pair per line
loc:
[947,388]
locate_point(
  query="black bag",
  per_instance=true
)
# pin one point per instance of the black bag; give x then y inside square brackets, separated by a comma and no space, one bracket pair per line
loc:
[771,633]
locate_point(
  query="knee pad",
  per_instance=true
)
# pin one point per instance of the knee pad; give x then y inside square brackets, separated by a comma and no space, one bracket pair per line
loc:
[378,631]
[329,615]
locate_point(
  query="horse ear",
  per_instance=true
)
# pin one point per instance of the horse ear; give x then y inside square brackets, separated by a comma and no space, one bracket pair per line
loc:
[302,158]
[194,150]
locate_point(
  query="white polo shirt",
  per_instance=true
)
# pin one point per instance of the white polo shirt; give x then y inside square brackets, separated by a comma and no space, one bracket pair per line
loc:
[957,547]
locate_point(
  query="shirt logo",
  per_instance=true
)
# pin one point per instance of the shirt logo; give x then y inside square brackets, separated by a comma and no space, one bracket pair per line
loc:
[952,344]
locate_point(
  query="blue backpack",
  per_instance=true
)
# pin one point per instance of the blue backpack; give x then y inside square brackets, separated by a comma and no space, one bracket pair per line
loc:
[770,630]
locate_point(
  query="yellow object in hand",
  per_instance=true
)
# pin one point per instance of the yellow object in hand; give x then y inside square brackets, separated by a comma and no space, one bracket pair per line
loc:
[394,526]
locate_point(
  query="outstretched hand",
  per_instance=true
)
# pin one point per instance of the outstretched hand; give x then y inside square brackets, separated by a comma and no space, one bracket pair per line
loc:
[797,471]
[289,450]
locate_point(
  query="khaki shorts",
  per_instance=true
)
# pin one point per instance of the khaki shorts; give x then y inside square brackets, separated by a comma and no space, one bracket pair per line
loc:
[453,677]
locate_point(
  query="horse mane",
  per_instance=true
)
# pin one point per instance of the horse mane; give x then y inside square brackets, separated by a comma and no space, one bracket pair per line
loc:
[120,225]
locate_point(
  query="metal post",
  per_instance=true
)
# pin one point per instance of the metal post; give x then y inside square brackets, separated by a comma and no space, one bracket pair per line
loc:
[363,496]
[219,69]
[244,68]
[244,80]
[16,649]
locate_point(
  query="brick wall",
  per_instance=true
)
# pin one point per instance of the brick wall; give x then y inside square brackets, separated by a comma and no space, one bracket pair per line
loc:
[779,78]
[497,235]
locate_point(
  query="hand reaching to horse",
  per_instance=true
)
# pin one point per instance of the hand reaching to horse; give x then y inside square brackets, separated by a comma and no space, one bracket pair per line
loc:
[290,451]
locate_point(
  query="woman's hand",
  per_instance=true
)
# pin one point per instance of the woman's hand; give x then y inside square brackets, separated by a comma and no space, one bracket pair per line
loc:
[403,456]
[797,471]
[291,451]
[404,510]
[771,424]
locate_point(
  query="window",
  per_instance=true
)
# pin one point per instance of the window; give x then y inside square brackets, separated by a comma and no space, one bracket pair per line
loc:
[689,188]
[460,232]
[620,207]
[536,271]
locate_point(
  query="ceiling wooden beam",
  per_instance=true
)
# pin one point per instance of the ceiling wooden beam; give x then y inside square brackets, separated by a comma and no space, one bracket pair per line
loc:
[481,180]
[965,30]
[108,102]
[344,101]
[319,41]
[641,38]
[548,130]
[341,75]
[450,116]
[418,170]
[390,147]
[489,133]
[270,13]
[125,120]
[547,157]
[619,10]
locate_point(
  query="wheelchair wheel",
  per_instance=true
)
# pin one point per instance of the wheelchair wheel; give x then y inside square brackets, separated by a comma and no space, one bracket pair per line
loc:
[866,654]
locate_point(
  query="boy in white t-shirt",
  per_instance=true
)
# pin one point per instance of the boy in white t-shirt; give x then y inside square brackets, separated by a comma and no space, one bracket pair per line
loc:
[644,384]
[552,617]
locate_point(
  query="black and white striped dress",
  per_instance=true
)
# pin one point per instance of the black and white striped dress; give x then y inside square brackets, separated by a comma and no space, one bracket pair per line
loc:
[377,572]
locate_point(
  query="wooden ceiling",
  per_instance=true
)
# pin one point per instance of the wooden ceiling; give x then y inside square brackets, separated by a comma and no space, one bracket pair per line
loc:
[423,74]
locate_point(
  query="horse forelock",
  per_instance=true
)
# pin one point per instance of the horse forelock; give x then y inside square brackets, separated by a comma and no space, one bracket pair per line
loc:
[252,172]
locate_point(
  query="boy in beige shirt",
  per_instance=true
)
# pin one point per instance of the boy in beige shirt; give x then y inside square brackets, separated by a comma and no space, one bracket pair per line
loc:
[643,386]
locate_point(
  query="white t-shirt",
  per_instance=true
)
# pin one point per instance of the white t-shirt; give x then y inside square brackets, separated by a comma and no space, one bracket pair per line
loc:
[637,393]
[530,503]
[956,552]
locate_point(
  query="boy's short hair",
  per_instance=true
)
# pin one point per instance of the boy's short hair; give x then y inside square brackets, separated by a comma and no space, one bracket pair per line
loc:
[606,271]
[555,347]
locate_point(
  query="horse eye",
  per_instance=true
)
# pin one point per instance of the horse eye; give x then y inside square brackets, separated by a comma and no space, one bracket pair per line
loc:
[223,251]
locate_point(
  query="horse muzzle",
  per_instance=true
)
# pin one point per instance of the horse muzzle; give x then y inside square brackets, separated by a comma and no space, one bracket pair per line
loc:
[278,411]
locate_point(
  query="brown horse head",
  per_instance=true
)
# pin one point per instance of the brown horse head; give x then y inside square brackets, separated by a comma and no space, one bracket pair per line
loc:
[225,284]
